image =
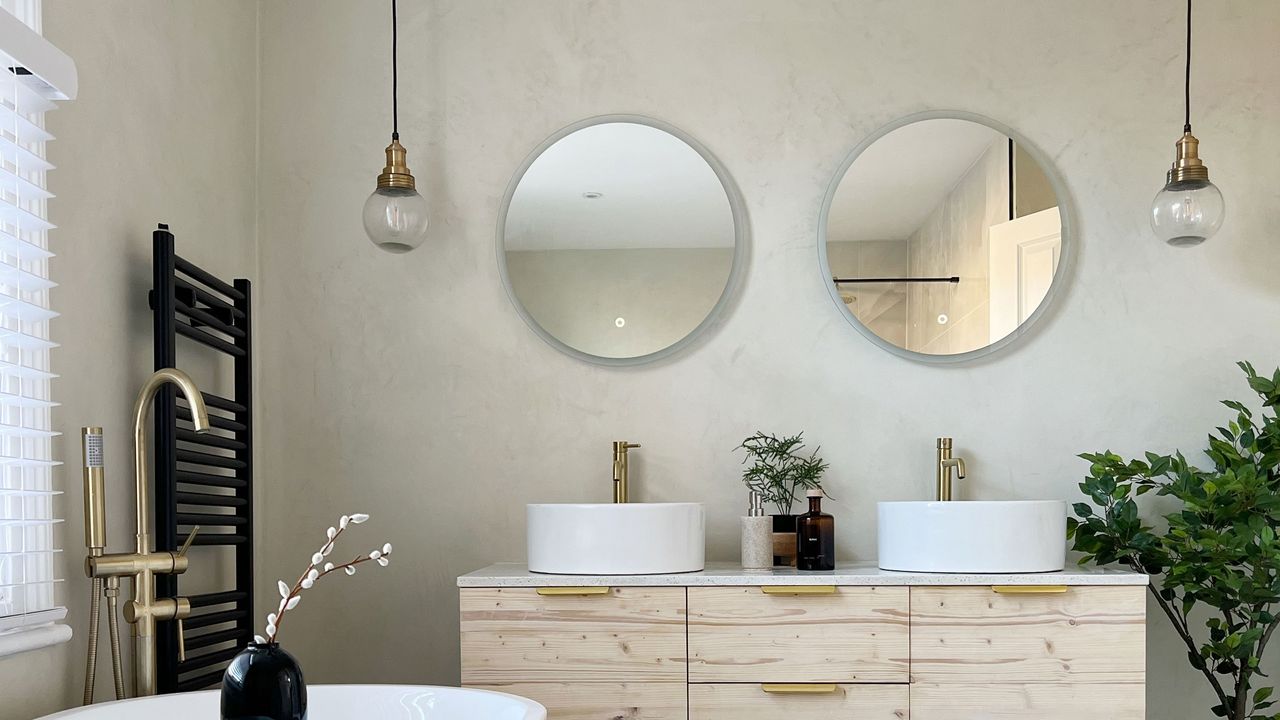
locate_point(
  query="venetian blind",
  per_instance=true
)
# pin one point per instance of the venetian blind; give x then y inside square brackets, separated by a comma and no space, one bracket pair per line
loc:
[29,532]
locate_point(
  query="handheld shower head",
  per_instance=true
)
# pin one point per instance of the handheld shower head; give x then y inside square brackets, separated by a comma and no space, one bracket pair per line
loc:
[95,509]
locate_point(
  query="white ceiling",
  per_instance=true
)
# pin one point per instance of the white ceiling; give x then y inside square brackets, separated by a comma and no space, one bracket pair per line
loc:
[657,192]
[896,182]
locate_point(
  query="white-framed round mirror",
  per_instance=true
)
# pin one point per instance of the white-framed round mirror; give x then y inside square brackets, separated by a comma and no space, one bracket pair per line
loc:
[621,239]
[945,236]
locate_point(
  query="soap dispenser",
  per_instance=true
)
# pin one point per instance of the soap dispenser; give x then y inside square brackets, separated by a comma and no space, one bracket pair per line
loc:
[757,536]
[815,537]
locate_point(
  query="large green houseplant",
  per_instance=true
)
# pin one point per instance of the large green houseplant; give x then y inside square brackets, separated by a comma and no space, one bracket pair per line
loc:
[1214,558]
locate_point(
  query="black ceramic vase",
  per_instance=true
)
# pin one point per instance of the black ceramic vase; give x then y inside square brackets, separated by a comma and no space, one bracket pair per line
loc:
[784,540]
[264,682]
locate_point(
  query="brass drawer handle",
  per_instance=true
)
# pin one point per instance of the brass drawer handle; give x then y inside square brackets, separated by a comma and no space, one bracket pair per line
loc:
[1029,589]
[798,589]
[799,688]
[561,591]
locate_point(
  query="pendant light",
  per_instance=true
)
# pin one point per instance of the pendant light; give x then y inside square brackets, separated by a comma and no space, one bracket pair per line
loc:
[395,215]
[1190,209]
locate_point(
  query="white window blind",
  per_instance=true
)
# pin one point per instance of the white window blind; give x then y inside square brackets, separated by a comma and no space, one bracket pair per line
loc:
[29,527]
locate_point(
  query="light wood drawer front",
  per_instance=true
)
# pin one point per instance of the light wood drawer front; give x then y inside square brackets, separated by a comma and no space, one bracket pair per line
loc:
[631,634]
[750,702]
[976,635]
[1028,702]
[741,634]
[603,701]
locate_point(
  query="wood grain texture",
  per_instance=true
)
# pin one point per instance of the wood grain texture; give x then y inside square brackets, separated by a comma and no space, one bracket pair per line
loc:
[515,635]
[749,702]
[1036,701]
[603,701]
[739,634]
[974,635]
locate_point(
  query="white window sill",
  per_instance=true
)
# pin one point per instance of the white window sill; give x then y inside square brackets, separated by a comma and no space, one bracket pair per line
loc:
[18,641]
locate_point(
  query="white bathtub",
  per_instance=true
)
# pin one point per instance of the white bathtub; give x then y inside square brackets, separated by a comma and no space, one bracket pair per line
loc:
[335,702]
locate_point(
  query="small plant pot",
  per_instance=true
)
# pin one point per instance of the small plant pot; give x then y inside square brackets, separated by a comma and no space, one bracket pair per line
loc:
[264,682]
[784,540]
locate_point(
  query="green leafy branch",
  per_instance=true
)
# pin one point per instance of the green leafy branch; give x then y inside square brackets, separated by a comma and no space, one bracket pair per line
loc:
[779,470]
[1219,550]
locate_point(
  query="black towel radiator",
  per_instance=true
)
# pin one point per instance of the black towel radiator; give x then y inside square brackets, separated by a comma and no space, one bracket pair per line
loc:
[203,479]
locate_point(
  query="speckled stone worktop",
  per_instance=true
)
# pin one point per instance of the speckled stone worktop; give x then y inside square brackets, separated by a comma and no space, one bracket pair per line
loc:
[518,575]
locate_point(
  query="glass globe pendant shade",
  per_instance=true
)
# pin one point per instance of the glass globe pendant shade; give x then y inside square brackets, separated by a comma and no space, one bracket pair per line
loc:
[1187,213]
[395,215]
[1189,209]
[396,219]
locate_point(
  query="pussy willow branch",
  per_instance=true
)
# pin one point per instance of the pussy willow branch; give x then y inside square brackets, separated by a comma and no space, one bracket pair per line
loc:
[297,586]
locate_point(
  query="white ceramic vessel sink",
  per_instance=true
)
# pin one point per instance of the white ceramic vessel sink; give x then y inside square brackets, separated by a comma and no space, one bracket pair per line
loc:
[616,539]
[1015,536]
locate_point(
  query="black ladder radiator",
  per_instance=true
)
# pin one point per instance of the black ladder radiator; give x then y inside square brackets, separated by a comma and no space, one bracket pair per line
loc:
[203,479]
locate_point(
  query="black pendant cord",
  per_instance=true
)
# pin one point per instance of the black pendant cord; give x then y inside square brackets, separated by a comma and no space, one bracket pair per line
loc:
[396,76]
[1187,86]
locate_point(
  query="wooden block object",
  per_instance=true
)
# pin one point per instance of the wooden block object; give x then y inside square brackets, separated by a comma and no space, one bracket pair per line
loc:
[626,635]
[1035,701]
[603,701]
[851,634]
[832,702]
[784,549]
[974,635]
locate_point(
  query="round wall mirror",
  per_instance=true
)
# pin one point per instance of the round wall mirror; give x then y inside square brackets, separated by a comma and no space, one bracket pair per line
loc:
[620,240]
[944,237]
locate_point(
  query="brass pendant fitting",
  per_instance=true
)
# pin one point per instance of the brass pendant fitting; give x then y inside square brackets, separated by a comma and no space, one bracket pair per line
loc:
[1188,166]
[396,174]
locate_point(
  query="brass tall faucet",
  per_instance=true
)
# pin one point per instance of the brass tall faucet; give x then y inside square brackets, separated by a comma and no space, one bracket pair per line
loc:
[621,492]
[946,464]
[145,609]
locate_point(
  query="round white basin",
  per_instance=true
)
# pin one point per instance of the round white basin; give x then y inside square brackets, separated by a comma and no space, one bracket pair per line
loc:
[335,702]
[1013,536]
[616,539]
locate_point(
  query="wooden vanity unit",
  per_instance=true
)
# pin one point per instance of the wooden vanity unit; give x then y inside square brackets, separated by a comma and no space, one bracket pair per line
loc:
[856,644]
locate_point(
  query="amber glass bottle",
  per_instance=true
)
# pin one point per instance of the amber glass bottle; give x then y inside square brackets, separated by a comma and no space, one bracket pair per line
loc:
[815,537]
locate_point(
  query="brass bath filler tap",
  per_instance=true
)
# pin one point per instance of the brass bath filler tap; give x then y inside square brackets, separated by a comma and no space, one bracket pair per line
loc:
[145,609]
[621,491]
[945,465]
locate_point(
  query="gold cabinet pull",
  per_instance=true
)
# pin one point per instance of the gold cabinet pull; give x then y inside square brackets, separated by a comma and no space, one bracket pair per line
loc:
[798,589]
[594,590]
[1029,589]
[799,688]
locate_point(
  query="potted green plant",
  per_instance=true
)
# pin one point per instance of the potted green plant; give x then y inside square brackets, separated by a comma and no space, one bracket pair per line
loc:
[1216,551]
[780,472]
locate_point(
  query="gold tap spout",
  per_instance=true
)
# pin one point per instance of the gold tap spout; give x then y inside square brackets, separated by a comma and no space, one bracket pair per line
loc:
[145,608]
[199,418]
[621,490]
[945,465]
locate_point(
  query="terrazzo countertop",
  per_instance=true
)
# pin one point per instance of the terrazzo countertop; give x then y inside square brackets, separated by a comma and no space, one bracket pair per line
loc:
[518,575]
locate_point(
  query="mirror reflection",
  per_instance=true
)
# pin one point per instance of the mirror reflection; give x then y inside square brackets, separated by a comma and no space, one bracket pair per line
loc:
[619,240]
[943,237]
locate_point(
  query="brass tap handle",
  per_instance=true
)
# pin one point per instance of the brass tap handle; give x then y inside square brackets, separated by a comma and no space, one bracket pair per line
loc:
[182,644]
[191,536]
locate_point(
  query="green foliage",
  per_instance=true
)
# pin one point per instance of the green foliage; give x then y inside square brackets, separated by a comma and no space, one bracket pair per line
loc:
[779,471]
[1218,550]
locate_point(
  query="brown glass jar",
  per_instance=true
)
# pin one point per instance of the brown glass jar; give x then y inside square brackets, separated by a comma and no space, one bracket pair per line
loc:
[815,537]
